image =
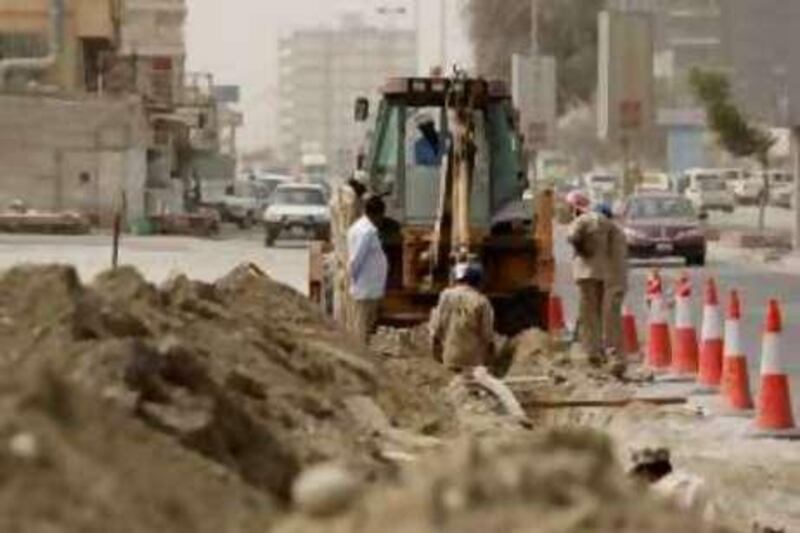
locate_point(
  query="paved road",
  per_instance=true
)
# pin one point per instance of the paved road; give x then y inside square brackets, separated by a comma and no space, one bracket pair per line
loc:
[755,284]
[160,257]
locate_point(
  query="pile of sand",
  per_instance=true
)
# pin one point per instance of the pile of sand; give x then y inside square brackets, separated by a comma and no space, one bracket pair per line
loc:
[244,372]
[560,481]
[194,407]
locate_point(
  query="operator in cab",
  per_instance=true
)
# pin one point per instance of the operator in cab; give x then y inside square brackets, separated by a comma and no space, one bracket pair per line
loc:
[589,234]
[368,268]
[462,325]
[428,148]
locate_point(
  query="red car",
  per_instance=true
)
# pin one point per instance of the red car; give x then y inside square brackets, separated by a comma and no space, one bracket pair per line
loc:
[660,225]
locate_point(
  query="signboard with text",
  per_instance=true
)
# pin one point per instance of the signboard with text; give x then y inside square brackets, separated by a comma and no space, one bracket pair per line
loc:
[535,95]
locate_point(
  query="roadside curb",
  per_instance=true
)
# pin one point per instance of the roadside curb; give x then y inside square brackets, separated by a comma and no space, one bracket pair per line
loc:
[776,260]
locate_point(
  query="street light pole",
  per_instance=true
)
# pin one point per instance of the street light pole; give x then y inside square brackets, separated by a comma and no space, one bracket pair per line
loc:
[535,28]
[443,34]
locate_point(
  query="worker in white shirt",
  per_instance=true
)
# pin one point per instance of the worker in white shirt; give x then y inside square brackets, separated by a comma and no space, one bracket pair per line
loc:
[368,268]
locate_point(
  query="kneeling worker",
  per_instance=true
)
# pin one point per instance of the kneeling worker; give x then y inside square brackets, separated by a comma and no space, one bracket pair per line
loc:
[462,325]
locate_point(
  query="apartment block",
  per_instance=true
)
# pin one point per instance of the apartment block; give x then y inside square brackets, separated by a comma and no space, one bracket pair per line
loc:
[322,72]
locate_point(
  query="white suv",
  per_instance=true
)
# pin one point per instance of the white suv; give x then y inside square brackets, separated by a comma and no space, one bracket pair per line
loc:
[708,191]
[297,209]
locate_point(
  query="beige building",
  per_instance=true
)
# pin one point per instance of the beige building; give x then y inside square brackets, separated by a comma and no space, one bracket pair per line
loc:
[86,81]
[322,72]
[87,33]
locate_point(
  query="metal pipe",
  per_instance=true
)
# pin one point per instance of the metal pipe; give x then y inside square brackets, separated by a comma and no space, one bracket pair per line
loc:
[57,15]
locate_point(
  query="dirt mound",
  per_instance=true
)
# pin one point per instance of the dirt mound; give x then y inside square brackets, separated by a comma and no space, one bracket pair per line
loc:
[244,371]
[559,481]
[413,383]
[71,463]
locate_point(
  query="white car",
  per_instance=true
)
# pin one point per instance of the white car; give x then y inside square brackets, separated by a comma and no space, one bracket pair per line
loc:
[781,188]
[748,191]
[602,188]
[654,182]
[708,191]
[297,209]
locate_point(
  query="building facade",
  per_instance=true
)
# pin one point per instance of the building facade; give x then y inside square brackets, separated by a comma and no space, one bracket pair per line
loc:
[97,103]
[760,43]
[322,72]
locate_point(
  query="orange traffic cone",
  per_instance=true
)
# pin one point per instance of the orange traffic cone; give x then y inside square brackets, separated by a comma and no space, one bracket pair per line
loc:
[659,348]
[556,322]
[775,417]
[630,335]
[736,380]
[654,286]
[711,343]
[685,351]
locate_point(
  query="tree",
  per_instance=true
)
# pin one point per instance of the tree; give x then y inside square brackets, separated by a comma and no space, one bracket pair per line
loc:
[734,133]
[567,31]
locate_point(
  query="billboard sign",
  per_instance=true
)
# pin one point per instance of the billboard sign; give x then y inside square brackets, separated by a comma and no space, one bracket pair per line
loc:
[227,94]
[626,81]
[535,95]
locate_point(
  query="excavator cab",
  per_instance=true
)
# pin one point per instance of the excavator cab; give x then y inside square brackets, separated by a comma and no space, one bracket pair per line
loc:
[446,156]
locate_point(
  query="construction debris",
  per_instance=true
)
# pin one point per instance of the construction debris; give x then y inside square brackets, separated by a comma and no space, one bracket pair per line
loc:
[237,406]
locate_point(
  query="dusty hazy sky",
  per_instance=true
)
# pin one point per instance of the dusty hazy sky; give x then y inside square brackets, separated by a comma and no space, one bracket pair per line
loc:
[236,40]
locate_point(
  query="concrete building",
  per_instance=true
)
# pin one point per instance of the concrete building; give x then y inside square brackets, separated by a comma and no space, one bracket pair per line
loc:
[686,34]
[322,72]
[85,30]
[760,43]
[83,78]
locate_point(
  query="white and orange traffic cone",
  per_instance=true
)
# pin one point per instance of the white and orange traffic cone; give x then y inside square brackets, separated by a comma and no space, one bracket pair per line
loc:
[659,347]
[655,285]
[735,379]
[775,418]
[556,322]
[685,347]
[630,335]
[711,341]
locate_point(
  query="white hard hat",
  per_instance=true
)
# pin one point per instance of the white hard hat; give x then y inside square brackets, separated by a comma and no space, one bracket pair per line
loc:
[460,271]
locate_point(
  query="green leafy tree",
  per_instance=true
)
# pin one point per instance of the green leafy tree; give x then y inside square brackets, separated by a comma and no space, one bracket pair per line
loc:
[734,133]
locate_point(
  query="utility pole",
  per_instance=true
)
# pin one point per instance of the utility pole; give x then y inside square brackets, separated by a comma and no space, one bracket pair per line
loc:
[534,28]
[796,157]
[443,34]
[534,163]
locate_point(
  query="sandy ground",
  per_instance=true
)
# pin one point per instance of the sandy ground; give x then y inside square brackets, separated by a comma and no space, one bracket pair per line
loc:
[750,480]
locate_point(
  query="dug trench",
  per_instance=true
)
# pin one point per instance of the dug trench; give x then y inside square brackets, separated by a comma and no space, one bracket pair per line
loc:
[195,407]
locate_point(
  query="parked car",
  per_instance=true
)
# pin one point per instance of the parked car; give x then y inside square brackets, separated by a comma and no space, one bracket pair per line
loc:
[660,225]
[297,210]
[654,182]
[708,191]
[267,183]
[240,210]
[748,190]
[781,188]
[602,187]
[783,197]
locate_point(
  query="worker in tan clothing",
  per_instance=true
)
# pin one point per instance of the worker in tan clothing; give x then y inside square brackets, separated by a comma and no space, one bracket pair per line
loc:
[462,325]
[589,235]
[616,286]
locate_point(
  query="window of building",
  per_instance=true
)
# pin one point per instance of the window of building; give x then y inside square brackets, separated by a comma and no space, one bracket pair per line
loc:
[22,45]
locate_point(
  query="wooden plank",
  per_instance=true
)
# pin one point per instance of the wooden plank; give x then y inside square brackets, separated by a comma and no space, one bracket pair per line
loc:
[589,403]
